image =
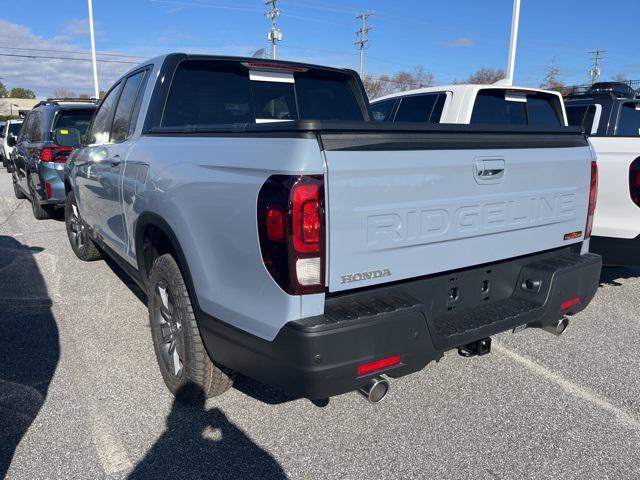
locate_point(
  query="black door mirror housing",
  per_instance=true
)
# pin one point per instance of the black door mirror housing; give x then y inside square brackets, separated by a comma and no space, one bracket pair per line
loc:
[67,137]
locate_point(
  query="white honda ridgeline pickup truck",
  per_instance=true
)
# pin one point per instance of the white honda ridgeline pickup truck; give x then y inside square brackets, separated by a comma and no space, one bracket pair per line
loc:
[281,233]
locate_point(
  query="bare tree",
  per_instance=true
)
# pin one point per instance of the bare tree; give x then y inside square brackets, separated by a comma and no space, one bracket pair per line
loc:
[63,93]
[620,77]
[399,82]
[552,78]
[485,76]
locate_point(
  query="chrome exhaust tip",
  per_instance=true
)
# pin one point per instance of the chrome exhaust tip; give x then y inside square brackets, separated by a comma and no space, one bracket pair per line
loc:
[375,390]
[559,328]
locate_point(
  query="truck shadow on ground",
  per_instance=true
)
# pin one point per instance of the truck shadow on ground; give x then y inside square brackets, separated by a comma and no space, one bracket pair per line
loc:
[612,275]
[30,348]
[200,443]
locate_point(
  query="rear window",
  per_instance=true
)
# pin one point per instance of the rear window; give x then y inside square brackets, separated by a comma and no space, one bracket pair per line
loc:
[14,128]
[74,118]
[581,116]
[629,124]
[502,107]
[210,93]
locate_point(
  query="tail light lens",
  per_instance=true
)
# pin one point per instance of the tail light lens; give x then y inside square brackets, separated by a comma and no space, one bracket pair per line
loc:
[634,181]
[55,154]
[291,228]
[593,195]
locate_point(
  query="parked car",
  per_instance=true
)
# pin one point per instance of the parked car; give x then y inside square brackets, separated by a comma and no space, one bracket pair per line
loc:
[38,161]
[278,232]
[10,130]
[473,104]
[610,114]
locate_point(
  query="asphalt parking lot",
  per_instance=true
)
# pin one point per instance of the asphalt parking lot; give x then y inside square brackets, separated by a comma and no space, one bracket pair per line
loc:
[81,396]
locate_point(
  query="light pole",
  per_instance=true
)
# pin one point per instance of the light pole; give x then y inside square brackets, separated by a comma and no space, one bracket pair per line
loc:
[96,90]
[515,20]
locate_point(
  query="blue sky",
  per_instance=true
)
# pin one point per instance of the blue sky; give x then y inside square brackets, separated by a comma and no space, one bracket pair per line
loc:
[450,39]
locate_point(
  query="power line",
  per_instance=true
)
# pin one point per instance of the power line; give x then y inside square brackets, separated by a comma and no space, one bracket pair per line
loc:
[274,35]
[362,37]
[64,58]
[596,58]
[79,52]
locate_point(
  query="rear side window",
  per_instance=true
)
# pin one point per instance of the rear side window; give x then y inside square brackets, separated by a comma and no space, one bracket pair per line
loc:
[629,124]
[420,108]
[382,110]
[501,107]
[75,118]
[210,93]
[124,110]
[581,115]
[37,133]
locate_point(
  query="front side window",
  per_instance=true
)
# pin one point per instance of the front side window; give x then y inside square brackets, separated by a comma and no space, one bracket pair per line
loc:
[101,126]
[122,117]
[629,124]
[382,110]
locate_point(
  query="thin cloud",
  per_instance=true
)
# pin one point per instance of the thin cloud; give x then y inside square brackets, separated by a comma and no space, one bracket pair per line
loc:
[462,42]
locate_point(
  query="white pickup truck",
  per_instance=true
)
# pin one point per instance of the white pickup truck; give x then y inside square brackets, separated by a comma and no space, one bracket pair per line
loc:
[279,232]
[610,114]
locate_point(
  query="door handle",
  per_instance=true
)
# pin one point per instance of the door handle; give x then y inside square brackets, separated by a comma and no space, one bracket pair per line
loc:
[489,170]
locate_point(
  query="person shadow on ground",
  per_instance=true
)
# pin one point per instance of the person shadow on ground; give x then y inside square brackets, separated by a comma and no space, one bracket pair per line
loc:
[204,444]
[29,344]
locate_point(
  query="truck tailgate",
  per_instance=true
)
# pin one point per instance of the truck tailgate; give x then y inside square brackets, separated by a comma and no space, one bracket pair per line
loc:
[406,206]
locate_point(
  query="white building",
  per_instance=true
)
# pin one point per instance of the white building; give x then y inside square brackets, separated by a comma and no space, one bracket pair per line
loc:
[16,106]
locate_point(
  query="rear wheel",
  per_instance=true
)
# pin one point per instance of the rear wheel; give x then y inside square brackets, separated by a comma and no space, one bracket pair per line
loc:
[16,188]
[81,244]
[186,367]
[40,212]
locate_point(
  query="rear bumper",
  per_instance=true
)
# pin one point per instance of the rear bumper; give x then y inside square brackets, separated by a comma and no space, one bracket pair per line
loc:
[318,357]
[51,173]
[616,251]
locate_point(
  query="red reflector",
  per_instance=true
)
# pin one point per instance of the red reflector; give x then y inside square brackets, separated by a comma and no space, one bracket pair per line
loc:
[276,225]
[307,224]
[371,367]
[47,187]
[46,154]
[570,303]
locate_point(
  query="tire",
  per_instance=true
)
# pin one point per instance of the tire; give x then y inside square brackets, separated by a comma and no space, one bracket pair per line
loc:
[186,367]
[40,212]
[81,244]
[16,189]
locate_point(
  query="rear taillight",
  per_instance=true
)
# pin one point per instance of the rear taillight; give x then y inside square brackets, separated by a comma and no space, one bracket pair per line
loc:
[593,195]
[55,154]
[634,181]
[291,228]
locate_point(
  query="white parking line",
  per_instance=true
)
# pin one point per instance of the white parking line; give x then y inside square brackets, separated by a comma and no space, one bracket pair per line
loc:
[571,388]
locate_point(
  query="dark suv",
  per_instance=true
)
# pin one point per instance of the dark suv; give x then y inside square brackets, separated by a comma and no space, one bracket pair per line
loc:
[38,159]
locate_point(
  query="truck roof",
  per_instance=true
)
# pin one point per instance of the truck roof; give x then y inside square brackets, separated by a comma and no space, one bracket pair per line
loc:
[463,88]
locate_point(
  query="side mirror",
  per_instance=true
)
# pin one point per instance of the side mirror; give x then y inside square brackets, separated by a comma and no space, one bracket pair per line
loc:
[12,140]
[67,137]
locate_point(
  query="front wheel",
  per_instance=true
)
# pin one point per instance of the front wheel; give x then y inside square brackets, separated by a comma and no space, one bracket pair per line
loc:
[81,244]
[186,367]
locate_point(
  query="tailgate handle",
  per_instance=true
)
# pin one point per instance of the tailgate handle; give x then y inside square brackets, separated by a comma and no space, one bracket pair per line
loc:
[489,170]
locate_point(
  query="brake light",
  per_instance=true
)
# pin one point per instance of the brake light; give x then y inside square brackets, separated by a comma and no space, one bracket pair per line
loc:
[55,154]
[378,365]
[593,196]
[634,181]
[291,232]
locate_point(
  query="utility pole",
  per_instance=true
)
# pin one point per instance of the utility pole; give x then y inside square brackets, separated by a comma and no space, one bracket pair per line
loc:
[274,35]
[93,51]
[362,37]
[513,42]
[596,58]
